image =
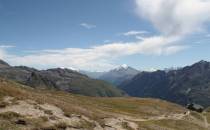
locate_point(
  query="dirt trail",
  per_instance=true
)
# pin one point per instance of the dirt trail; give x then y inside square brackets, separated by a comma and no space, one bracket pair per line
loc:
[206,124]
[119,124]
[116,123]
[174,116]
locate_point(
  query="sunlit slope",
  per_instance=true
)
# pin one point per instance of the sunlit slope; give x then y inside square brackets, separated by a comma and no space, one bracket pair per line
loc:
[60,110]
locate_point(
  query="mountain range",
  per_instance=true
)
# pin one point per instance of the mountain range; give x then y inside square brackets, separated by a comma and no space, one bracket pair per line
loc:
[29,99]
[58,79]
[184,85]
[115,76]
[190,84]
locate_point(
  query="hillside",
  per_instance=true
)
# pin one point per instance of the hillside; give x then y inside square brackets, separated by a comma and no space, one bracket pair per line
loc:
[182,86]
[58,79]
[119,75]
[25,108]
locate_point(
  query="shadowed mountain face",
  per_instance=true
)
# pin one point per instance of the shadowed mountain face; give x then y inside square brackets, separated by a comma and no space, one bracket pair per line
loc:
[3,64]
[186,85]
[119,75]
[59,79]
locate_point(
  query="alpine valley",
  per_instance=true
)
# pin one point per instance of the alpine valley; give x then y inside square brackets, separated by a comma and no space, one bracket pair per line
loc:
[33,99]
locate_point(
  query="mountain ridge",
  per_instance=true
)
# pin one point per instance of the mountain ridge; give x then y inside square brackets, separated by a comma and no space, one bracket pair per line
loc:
[182,86]
[59,79]
[119,75]
[114,76]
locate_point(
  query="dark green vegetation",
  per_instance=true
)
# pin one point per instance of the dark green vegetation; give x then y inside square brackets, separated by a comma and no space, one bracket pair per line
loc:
[190,84]
[59,79]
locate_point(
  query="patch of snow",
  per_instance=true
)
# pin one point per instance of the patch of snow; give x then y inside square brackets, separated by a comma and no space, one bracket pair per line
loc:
[123,66]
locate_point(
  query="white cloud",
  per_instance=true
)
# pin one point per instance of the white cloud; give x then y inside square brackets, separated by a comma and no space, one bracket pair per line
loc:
[6,46]
[97,57]
[134,33]
[173,49]
[3,51]
[175,17]
[140,37]
[87,25]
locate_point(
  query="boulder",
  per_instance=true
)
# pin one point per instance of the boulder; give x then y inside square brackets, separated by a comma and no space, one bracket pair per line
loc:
[195,107]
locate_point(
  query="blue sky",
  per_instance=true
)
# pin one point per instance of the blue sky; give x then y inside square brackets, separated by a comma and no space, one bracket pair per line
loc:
[98,35]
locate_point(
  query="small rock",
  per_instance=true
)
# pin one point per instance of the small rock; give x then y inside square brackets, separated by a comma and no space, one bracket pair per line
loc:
[21,122]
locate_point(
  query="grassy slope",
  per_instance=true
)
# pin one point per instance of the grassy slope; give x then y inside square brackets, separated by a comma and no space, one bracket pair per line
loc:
[99,108]
[96,88]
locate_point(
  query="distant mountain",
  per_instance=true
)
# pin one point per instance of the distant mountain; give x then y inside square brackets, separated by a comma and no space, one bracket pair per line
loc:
[94,75]
[119,75]
[185,85]
[59,79]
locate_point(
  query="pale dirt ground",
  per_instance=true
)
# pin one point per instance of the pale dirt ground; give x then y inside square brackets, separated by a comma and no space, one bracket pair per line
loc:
[31,109]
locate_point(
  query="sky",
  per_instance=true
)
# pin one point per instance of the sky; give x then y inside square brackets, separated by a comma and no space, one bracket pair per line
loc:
[98,35]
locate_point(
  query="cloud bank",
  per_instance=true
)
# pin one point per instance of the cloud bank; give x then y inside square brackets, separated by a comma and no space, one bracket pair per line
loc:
[175,17]
[96,57]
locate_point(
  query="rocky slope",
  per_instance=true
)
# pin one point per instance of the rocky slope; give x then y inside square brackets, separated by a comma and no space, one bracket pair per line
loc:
[182,86]
[25,108]
[59,79]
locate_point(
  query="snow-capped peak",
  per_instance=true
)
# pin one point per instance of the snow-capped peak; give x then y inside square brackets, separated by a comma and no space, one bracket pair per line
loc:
[71,68]
[124,66]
